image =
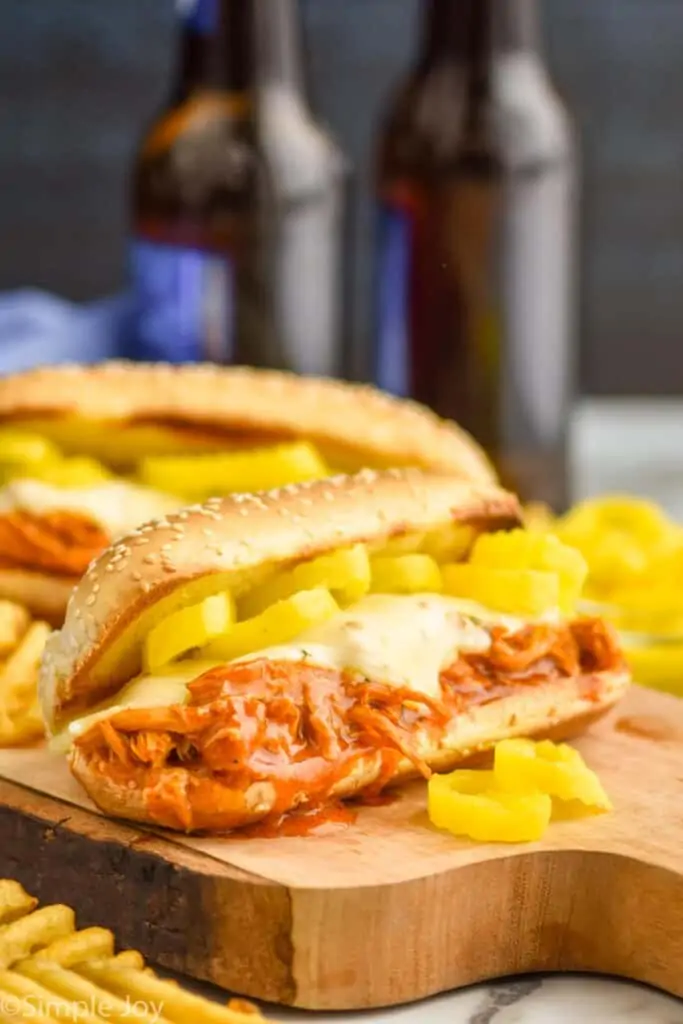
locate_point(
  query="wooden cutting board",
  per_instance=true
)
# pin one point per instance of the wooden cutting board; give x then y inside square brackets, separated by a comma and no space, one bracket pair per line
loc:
[388,910]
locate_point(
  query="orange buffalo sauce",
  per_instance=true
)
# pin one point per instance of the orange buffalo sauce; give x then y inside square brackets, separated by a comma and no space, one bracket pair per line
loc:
[56,542]
[263,738]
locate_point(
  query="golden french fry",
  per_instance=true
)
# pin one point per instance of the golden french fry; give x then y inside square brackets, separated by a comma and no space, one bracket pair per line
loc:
[15,902]
[130,958]
[19,673]
[49,973]
[73,987]
[14,622]
[24,725]
[42,1000]
[19,939]
[88,944]
[13,1009]
[174,1002]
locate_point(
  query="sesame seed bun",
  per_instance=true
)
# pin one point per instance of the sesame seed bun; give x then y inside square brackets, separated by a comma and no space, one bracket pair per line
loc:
[353,425]
[232,543]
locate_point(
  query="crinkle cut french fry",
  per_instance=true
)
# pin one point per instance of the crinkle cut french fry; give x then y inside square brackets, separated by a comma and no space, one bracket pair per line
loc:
[49,972]
[22,726]
[14,622]
[87,944]
[20,717]
[72,986]
[19,673]
[22,937]
[13,1009]
[41,999]
[15,902]
[176,1004]
[130,958]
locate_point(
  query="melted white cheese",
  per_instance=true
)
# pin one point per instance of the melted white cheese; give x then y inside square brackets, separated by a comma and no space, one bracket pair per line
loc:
[399,640]
[117,505]
[145,691]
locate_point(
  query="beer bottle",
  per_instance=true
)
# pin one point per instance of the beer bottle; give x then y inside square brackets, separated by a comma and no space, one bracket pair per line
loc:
[204,205]
[311,179]
[475,283]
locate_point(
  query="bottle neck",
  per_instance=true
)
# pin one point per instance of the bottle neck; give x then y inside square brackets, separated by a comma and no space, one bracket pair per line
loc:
[456,30]
[218,46]
[280,45]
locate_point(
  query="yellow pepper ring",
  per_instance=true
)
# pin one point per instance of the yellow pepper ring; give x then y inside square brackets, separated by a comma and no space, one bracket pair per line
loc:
[466,803]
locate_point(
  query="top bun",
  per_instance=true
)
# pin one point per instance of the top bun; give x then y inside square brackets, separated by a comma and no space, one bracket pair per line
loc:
[232,543]
[359,425]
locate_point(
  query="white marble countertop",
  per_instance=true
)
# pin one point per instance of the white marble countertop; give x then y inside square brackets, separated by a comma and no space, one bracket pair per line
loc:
[543,1000]
[618,445]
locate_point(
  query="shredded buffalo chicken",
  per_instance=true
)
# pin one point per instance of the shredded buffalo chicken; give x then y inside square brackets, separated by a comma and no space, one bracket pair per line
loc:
[300,728]
[55,542]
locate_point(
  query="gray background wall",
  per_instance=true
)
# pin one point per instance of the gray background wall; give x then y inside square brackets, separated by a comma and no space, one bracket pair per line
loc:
[78,78]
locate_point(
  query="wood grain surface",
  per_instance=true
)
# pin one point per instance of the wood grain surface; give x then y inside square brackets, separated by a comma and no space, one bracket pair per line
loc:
[388,910]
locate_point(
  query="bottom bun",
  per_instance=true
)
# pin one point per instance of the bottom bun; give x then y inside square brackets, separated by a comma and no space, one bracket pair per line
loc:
[46,597]
[558,710]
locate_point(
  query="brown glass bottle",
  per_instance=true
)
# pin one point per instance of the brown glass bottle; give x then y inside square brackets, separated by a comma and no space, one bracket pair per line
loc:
[476,187]
[203,204]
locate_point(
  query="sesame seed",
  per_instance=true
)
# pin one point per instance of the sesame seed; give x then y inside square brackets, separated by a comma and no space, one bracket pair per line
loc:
[166,547]
[150,559]
[243,511]
[207,531]
[109,567]
[137,576]
[168,567]
[140,541]
[90,601]
[146,586]
[183,515]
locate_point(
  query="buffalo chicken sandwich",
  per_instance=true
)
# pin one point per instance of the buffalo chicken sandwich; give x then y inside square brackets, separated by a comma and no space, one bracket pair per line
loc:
[49,535]
[155,420]
[89,452]
[269,653]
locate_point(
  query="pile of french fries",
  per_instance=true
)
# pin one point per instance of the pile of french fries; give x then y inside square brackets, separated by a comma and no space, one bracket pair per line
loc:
[49,971]
[21,645]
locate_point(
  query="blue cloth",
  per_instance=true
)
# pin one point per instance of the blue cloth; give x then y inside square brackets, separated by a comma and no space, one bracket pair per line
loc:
[38,328]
